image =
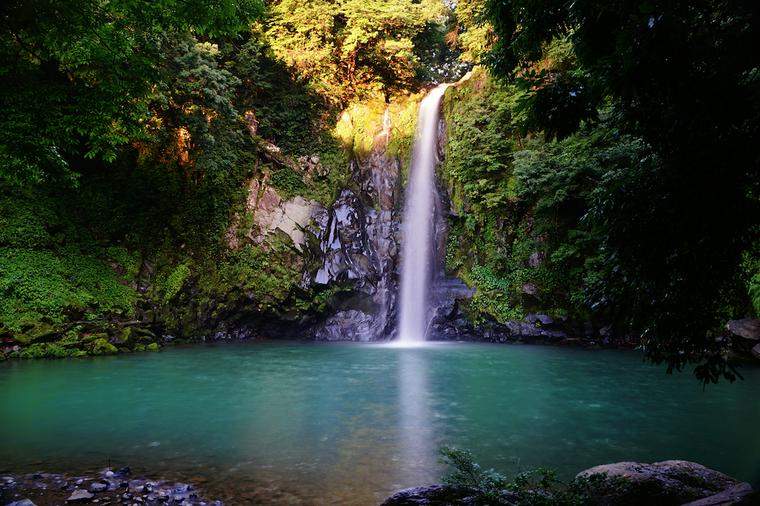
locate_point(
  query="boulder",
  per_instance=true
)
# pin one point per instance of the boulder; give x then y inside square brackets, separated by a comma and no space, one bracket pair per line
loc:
[433,495]
[748,328]
[756,350]
[671,482]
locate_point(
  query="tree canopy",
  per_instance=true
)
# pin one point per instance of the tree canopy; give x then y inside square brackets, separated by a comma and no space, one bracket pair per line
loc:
[351,47]
[77,75]
[678,75]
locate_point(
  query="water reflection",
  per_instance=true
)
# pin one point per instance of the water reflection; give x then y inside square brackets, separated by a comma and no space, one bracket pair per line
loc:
[347,424]
[416,421]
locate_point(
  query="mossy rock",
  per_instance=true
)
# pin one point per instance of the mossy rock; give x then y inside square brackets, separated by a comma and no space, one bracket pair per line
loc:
[89,338]
[153,347]
[144,333]
[48,350]
[140,347]
[101,346]
[40,332]
[127,334]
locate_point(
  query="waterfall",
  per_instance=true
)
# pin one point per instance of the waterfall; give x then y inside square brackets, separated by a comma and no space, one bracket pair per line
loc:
[417,255]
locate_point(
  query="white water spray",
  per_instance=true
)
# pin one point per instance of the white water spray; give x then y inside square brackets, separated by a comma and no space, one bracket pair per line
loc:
[417,254]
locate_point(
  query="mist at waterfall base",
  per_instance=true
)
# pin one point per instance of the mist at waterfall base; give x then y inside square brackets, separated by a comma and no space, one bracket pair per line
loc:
[417,240]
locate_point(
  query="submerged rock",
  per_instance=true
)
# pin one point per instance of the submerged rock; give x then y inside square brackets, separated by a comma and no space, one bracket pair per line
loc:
[671,482]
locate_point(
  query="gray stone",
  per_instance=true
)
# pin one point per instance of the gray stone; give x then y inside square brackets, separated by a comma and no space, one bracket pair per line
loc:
[351,325]
[80,495]
[671,482]
[98,487]
[22,502]
[748,328]
[756,350]
[733,495]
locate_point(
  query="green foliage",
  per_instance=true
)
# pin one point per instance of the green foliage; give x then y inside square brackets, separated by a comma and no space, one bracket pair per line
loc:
[266,275]
[351,48]
[175,281]
[288,182]
[129,261]
[101,346]
[538,487]
[473,34]
[46,286]
[360,128]
[480,143]
[488,484]
[673,232]
[492,297]
[49,350]
[76,80]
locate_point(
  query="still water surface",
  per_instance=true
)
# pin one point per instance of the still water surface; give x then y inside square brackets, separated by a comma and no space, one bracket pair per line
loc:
[302,423]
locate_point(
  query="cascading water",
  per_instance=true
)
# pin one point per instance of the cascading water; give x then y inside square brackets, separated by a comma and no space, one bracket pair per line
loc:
[417,250]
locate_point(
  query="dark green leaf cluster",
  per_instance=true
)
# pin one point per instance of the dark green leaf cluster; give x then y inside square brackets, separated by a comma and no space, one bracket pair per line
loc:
[77,76]
[681,77]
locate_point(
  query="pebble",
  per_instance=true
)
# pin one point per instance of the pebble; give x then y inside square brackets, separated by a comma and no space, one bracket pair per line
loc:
[80,495]
[98,487]
[112,488]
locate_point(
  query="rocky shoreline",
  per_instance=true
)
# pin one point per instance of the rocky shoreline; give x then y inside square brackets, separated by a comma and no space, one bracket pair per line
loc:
[667,483]
[109,486]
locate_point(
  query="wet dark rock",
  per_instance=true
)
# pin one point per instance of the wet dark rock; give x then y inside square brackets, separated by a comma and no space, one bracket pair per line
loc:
[351,325]
[357,251]
[80,495]
[540,319]
[756,350]
[433,495]
[671,482]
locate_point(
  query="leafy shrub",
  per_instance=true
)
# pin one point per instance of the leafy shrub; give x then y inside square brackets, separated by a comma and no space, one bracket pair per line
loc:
[538,487]
[40,285]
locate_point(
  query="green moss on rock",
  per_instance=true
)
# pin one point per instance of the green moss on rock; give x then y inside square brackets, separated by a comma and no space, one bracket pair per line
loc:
[101,346]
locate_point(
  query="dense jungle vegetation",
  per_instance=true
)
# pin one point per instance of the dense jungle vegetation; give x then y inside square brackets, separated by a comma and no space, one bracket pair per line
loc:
[601,158]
